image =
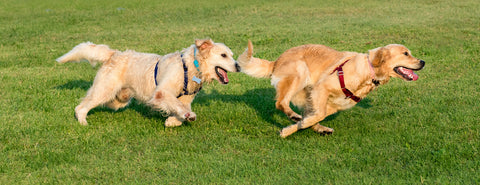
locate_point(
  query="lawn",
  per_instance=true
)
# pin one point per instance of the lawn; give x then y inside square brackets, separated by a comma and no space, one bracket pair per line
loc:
[423,132]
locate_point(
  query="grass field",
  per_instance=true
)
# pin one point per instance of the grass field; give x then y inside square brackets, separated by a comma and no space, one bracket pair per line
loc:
[423,132]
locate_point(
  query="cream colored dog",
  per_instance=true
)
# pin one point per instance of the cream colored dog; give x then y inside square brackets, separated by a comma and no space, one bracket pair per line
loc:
[167,83]
[323,81]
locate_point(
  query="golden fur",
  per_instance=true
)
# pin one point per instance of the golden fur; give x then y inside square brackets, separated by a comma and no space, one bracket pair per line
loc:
[130,74]
[305,76]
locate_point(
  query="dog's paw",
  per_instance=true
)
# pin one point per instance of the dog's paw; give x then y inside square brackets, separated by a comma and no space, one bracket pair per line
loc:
[322,129]
[172,122]
[327,132]
[82,121]
[282,134]
[288,130]
[190,116]
[81,115]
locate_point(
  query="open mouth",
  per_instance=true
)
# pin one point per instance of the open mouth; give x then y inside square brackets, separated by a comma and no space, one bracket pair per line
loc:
[222,75]
[406,73]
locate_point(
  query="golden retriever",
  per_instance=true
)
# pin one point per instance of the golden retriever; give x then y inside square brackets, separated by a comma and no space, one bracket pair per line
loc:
[323,81]
[167,83]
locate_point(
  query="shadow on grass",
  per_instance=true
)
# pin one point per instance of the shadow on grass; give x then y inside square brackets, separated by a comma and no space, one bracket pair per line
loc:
[75,84]
[263,101]
[141,108]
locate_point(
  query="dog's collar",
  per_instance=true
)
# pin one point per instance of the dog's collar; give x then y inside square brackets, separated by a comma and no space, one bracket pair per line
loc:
[372,72]
[195,61]
[347,92]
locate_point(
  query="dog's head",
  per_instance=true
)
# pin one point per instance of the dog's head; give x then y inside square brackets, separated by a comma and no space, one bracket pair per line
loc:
[395,60]
[217,60]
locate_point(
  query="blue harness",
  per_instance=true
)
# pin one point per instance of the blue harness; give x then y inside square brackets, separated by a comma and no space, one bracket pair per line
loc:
[185,76]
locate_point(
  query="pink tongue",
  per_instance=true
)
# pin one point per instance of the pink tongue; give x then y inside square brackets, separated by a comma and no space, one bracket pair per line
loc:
[409,73]
[224,74]
[415,76]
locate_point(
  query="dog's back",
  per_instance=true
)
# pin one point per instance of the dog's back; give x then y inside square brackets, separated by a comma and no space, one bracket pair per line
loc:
[320,60]
[317,58]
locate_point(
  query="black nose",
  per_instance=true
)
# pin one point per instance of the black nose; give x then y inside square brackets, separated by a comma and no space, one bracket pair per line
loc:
[422,63]
[237,67]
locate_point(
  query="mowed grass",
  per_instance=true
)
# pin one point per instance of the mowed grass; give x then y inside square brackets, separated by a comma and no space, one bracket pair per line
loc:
[423,132]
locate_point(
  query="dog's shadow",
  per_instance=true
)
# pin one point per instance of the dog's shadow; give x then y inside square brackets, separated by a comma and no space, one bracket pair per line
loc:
[262,100]
[143,109]
[75,84]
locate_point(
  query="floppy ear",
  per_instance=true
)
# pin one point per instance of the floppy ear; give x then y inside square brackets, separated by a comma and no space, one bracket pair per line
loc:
[379,54]
[204,44]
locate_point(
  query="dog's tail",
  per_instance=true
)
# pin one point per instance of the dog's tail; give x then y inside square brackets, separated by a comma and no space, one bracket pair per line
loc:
[88,51]
[252,66]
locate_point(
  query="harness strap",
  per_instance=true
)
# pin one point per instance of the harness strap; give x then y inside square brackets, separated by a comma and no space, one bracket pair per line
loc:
[185,81]
[155,73]
[347,92]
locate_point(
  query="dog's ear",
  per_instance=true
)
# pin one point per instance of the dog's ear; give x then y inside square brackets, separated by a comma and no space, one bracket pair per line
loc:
[379,56]
[204,44]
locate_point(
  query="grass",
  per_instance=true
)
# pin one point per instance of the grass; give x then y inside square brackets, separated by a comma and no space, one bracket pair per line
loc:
[424,132]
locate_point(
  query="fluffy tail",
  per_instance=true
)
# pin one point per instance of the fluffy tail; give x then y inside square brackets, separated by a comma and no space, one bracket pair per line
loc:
[88,51]
[252,66]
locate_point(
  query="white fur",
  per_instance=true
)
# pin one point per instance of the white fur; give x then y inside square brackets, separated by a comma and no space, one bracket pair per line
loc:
[130,74]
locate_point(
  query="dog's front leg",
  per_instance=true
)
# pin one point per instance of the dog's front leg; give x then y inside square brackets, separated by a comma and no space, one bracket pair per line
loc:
[323,129]
[168,103]
[173,121]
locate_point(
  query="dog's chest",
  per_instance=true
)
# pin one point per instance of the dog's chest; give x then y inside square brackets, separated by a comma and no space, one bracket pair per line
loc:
[340,102]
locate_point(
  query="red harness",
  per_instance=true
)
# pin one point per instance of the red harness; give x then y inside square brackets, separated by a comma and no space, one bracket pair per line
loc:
[347,92]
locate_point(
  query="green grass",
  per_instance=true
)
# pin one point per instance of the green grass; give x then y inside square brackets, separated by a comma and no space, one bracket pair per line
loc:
[403,133]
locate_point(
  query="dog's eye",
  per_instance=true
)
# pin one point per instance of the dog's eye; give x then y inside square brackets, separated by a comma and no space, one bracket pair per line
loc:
[406,53]
[224,55]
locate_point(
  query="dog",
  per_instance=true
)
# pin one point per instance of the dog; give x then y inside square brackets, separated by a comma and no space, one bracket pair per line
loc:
[323,81]
[166,83]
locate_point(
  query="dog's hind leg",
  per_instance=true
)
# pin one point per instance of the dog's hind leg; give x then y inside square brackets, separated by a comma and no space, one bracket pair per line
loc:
[103,90]
[319,111]
[121,100]
[286,88]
